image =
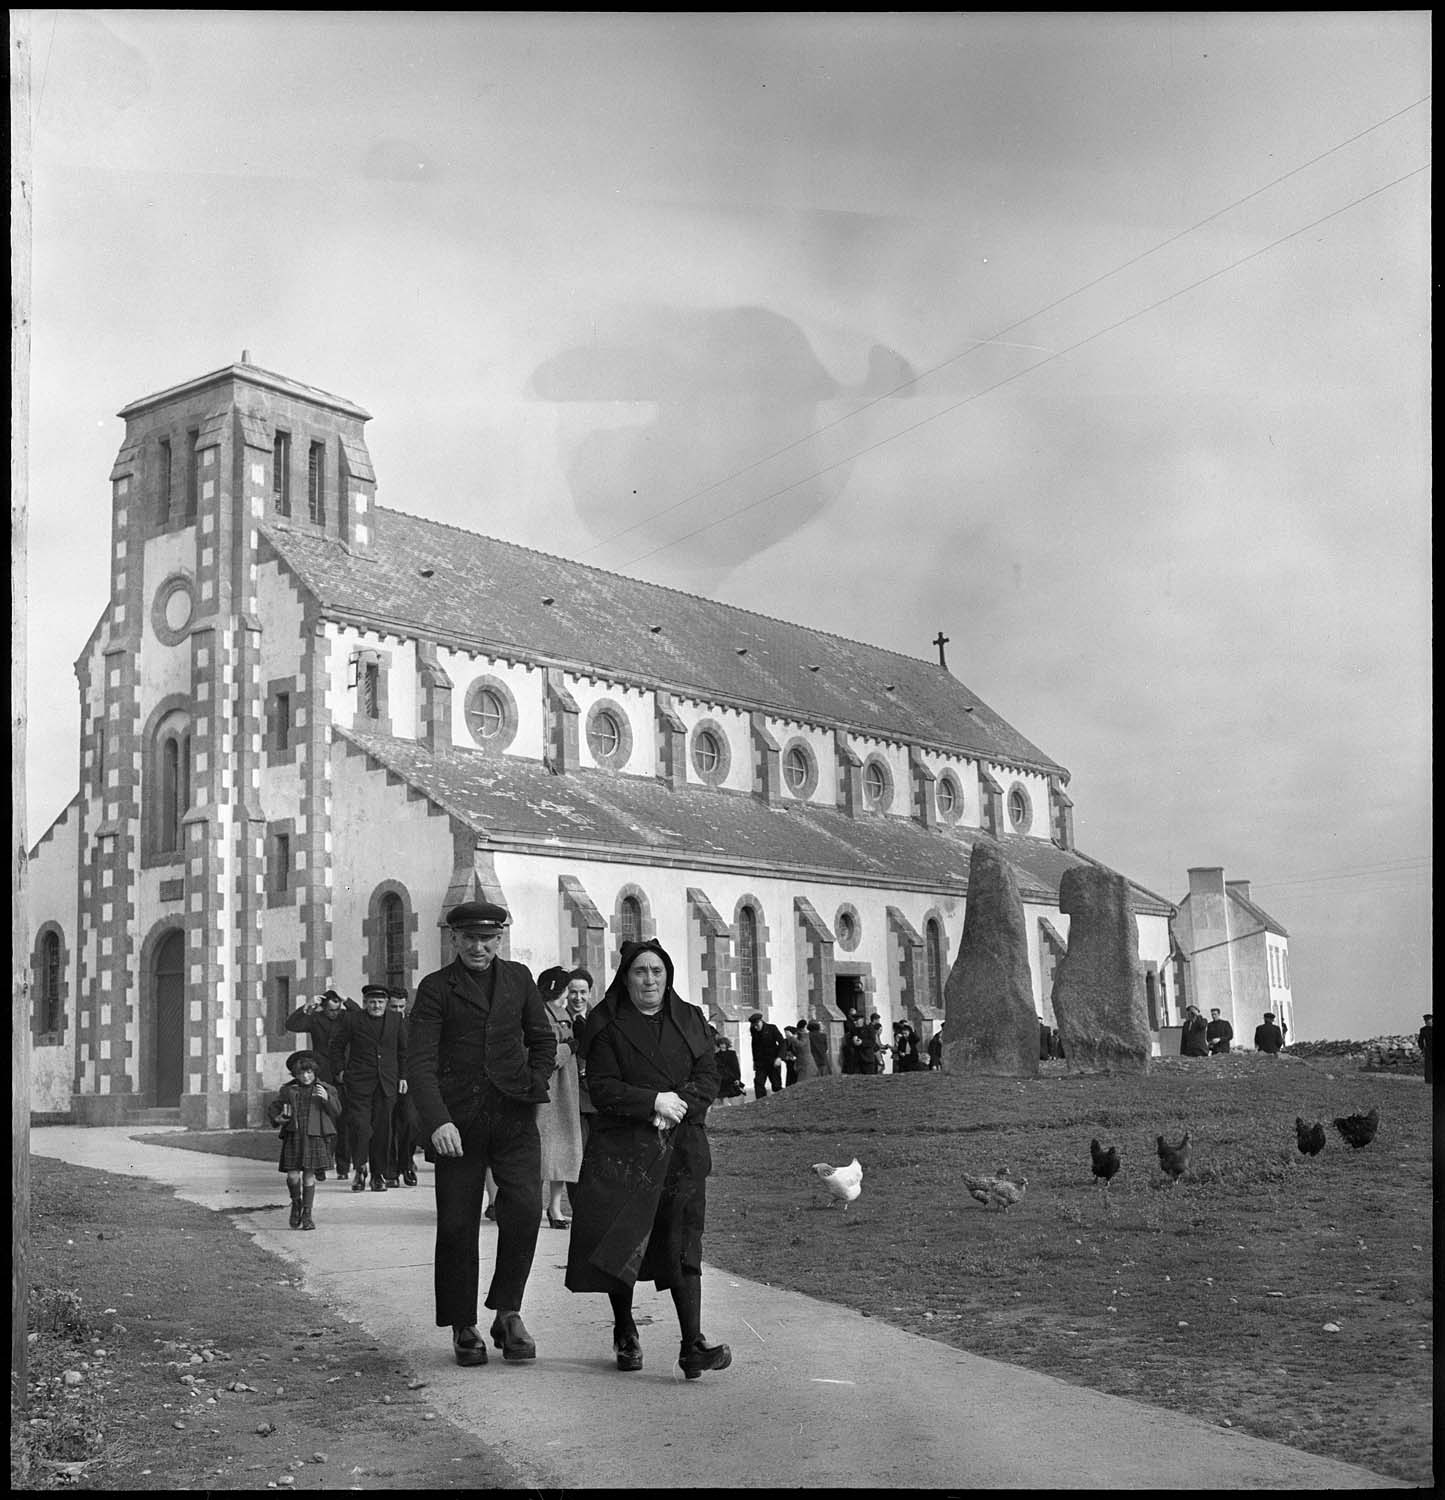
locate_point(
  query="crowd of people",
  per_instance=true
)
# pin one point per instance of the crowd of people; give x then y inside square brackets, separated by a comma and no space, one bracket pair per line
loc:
[531,1100]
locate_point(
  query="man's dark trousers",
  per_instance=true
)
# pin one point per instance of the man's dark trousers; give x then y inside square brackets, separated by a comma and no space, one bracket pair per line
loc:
[500,1134]
[773,1074]
[368,1128]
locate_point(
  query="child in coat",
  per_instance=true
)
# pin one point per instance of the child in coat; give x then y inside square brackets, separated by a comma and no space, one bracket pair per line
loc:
[305,1111]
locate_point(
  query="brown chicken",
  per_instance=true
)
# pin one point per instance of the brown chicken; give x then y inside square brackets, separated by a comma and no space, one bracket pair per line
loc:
[1358,1130]
[1000,1191]
[1173,1159]
[1309,1138]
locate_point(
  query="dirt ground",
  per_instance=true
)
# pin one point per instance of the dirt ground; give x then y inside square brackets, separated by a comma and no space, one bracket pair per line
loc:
[200,1364]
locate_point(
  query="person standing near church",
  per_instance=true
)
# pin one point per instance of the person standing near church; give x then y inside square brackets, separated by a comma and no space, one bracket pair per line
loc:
[401,1164]
[1219,1033]
[482,1052]
[559,1120]
[319,1020]
[1268,1037]
[767,1049]
[1426,1042]
[368,1057]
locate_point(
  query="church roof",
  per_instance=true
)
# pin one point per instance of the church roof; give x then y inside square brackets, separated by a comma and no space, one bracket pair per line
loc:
[422,577]
[513,801]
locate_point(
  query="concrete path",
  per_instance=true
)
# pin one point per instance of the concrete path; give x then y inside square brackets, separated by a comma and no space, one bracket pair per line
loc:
[817,1395]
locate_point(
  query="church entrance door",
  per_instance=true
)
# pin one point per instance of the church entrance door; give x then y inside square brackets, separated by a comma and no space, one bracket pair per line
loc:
[169,1032]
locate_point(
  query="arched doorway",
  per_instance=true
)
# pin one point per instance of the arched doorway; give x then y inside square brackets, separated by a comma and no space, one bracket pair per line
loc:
[168,1034]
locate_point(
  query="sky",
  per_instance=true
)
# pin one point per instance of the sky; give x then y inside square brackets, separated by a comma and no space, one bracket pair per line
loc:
[1099,342]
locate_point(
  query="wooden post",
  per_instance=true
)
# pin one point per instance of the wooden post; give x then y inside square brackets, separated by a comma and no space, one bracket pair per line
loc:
[21,179]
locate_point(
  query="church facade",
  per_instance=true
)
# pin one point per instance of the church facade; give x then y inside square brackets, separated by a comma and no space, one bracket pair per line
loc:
[310,725]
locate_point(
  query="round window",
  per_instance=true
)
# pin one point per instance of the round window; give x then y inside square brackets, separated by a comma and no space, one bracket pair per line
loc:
[604,736]
[947,797]
[486,716]
[706,753]
[490,714]
[1020,810]
[797,768]
[877,787]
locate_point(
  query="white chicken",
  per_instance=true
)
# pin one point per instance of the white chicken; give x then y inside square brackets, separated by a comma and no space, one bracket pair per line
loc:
[1000,1191]
[844,1183]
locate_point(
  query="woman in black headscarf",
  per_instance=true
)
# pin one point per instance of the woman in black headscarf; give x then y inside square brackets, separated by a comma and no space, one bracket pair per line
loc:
[641,1198]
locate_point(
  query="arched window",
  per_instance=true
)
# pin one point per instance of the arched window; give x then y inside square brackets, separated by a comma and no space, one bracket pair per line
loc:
[393,938]
[933,946]
[629,920]
[174,790]
[50,982]
[748,958]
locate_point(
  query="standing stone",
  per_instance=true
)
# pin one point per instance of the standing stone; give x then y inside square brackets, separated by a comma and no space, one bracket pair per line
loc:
[1099,985]
[991,1025]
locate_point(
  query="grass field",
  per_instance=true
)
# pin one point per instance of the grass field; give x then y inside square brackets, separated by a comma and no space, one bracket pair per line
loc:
[1289,1297]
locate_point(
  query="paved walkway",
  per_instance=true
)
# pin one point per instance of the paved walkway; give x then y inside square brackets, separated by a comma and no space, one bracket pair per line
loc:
[817,1395]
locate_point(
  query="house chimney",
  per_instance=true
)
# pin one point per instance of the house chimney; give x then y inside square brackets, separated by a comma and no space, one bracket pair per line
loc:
[245,356]
[1239,888]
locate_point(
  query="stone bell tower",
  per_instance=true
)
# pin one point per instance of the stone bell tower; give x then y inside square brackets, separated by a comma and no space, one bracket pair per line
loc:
[172,718]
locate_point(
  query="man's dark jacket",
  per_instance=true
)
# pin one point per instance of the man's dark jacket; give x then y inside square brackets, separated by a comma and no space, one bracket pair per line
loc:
[370,1051]
[319,1027]
[471,1028]
[767,1046]
[1219,1034]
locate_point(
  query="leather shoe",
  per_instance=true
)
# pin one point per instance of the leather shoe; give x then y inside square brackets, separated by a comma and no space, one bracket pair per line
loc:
[510,1335]
[358,1183]
[377,1185]
[468,1345]
[409,1178]
[696,1356]
[392,1182]
[628,1348]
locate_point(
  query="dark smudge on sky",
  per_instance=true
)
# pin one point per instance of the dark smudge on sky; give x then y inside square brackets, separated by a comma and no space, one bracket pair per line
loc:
[724,388]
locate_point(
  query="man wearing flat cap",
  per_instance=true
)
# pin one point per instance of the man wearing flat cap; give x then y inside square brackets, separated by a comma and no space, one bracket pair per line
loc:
[368,1057]
[481,1054]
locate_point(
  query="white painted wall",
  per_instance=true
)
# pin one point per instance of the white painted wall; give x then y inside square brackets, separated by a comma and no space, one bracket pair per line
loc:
[401,676]
[895,755]
[821,742]
[966,774]
[53,897]
[637,706]
[738,729]
[526,684]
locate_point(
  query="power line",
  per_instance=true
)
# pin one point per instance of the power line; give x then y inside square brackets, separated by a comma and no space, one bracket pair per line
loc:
[1350,872]
[995,337]
[1009,379]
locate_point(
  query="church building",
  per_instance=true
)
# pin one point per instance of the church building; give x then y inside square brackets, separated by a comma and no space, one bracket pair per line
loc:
[311,725]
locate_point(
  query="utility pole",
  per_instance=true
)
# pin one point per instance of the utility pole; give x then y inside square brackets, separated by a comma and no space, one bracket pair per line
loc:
[21,178]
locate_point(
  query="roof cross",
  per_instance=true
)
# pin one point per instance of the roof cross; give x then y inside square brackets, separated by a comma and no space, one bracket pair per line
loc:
[941,640]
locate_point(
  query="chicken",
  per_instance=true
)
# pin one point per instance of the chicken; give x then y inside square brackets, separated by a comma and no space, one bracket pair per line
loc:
[1105,1163]
[1309,1138]
[844,1183]
[1000,1191]
[1358,1130]
[1173,1159]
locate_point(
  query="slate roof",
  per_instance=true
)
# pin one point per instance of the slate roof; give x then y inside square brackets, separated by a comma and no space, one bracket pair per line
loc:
[422,577]
[519,802]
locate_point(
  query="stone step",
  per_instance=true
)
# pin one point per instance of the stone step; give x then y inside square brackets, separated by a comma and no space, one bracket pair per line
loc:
[158,1116]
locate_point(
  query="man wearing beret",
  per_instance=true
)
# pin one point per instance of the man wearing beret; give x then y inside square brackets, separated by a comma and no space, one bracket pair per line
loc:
[368,1057]
[481,1055]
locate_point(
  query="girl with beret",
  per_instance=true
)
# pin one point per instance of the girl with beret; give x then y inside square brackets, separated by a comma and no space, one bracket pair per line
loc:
[305,1111]
[641,1199]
